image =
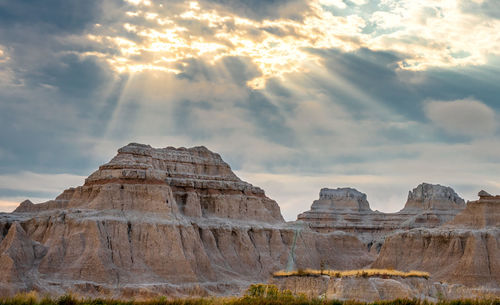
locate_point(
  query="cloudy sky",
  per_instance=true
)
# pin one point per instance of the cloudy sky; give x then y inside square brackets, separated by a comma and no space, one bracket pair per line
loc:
[294,94]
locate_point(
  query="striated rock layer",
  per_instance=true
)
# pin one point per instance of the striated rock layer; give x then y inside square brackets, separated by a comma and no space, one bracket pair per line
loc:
[169,221]
[348,210]
[194,182]
[466,250]
[375,289]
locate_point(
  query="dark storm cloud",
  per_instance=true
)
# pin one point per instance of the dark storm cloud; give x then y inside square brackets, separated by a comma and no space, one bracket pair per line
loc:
[57,95]
[234,69]
[261,9]
[68,16]
[489,8]
[269,119]
[74,76]
[377,74]
[241,69]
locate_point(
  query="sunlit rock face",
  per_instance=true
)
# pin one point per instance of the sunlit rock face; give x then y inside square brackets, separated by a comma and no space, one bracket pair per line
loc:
[348,210]
[194,182]
[171,221]
[466,250]
[483,213]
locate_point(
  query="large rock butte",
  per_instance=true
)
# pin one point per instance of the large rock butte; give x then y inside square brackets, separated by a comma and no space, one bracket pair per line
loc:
[171,221]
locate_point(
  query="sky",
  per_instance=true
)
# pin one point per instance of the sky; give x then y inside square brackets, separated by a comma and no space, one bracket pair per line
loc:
[295,95]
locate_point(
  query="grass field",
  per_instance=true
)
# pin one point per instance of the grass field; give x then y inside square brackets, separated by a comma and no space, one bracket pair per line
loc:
[353,273]
[258,294]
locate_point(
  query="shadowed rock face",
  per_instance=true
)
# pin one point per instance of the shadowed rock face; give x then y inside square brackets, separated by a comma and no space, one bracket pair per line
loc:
[466,250]
[348,210]
[152,221]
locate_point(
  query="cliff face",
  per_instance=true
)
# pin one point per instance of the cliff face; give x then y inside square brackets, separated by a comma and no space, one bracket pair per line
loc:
[433,197]
[160,221]
[348,210]
[373,289]
[194,182]
[466,250]
[344,199]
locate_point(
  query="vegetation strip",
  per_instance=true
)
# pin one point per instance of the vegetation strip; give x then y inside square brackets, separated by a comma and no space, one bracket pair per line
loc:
[258,294]
[353,273]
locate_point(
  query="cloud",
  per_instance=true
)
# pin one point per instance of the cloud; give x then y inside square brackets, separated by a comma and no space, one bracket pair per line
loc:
[466,117]
[8,206]
[261,9]
[35,182]
[52,15]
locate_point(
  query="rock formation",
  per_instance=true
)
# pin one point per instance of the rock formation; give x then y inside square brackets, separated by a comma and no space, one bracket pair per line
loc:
[373,289]
[346,199]
[433,197]
[346,209]
[465,250]
[484,213]
[152,221]
[177,221]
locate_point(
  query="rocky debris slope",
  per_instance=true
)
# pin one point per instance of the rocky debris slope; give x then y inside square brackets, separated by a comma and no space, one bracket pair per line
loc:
[152,221]
[348,210]
[466,250]
[18,255]
[373,289]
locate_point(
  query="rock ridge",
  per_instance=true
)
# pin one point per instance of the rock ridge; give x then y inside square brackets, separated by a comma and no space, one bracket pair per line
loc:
[465,250]
[151,221]
[347,209]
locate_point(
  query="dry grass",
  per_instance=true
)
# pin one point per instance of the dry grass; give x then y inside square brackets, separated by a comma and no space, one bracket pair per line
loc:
[353,273]
[258,294]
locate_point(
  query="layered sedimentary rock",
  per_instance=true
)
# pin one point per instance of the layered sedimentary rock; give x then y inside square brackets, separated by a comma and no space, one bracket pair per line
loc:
[18,253]
[431,205]
[466,250]
[341,199]
[160,221]
[195,182]
[348,210]
[374,289]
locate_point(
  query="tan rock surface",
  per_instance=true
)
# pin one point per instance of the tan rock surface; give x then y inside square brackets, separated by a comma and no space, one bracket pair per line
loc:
[163,221]
[348,210]
[18,256]
[466,250]
[376,289]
